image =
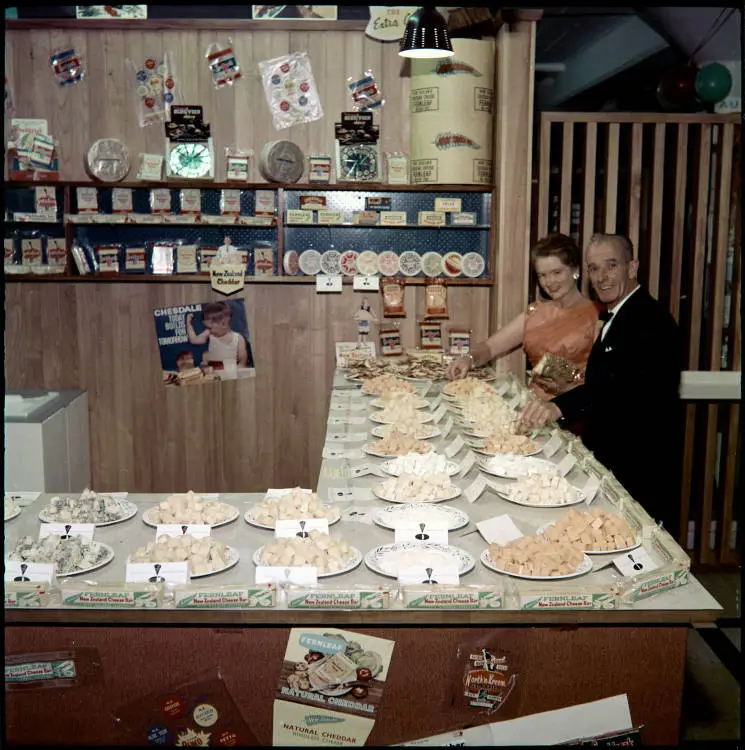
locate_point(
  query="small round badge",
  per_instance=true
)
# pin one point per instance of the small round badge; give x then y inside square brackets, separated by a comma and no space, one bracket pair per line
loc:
[170,83]
[150,63]
[142,90]
[284,106]
[276,79]
[173,706]
[205,715]
[304,86]
[285,67]
[302,101]
[162,69]
[168,98]
[142,75]
[157,735]
[149,102]
[226,738]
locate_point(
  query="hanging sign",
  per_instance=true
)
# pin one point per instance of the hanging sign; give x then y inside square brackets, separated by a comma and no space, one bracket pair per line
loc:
[228,278]
[387,22]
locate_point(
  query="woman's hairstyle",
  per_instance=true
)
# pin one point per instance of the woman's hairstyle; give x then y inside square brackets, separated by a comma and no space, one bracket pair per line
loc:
[558,246]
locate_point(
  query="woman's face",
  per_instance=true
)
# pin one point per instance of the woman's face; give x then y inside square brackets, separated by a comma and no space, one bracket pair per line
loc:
[555,278]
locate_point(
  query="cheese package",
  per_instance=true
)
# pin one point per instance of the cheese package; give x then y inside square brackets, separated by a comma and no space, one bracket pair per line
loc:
[56,252]
[87,200]
[206,255]
[191,201]
[430,335]
[121,200]
[162,258]
[254,596]
[459,341]
[230,202]
[108,258]
[31,251]
[160,201]
[436,294]
[393,298]
[10,251]
[390,342]
[135,260]
[186,259]
[263,258]
[77,593]
[487,677]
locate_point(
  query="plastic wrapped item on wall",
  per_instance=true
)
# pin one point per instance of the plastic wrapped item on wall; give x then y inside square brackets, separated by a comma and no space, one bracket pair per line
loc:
[153,88]
[290,90]
[223,64]
[67,66]
[366,96]
[237,164]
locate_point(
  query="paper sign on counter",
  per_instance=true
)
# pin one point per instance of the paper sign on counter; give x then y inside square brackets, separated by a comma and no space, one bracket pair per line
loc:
[359,515]
[635,563]
[346,420]
[362,470]
[196,530]
[467,463]
[328,283]
[346,437]
[347,494]
[64,530]
[301,575]
[474,490]
[440,412]
[552,445]
[300,527]
[499,530]
[166,572]
[436,403]
[435,532]
[455,447]
[501,389]
[23,499]
[591,489]
[366,283]
[445,572]
[15,570]
[447,427]
[566,464]
[335,452]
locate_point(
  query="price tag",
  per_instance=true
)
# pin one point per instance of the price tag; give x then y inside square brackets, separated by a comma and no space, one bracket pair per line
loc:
[15,570]
[328,283]
[346,437]
[435,532]
[197,530]
[455,447]
[358,515]
[566,464]
[436,402]
[66,530]
[299,575]
[499,530]
[501,389]
[440,412]
[300,527]
[167,572]
[467,463]
[413,575]
[347,494]
[447,427]
[346,420]
[366,283]
[474,490]
[591,489]
[362,470]
[635,563]
[552,445]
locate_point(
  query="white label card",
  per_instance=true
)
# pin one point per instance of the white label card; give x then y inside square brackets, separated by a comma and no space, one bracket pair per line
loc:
[346,420]
[346,437]
[635,563]
[358,515]
[348,494]
[300,575]
[167,572]
[514,402]
[436,403]
[66,530]
[271,492]
[566,464]
[15,570]
[499,530]
[591,489]
[300,527]
[552,445]
[467,463]
[455,447]
[445,572]
[23,499]
[362,470]
[196,530]
[435,532]
[501,389]
[447,427]
[440,412]
[366,283]
[336,452]
[474,490]
[328,283]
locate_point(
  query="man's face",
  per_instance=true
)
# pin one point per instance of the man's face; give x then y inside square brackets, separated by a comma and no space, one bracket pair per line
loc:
[217,325]
[612,276]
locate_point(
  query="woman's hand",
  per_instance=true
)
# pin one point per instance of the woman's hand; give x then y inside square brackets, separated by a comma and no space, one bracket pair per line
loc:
[458,368]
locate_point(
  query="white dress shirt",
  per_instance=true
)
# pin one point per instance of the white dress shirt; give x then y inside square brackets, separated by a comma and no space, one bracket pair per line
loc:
[613,311]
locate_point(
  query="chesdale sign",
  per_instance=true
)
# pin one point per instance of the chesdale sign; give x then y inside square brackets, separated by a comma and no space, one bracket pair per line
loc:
[227,279]
[387,22]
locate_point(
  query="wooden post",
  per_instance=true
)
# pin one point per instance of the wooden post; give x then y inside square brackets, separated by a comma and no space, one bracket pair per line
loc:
[513,146]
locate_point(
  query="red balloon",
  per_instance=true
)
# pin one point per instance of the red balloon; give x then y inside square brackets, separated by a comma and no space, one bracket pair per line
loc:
[677,86]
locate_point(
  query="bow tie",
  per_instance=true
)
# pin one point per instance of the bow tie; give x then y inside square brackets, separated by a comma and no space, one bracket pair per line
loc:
[605,316]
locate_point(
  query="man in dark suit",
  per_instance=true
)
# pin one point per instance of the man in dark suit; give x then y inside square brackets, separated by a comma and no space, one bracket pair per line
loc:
[630,395]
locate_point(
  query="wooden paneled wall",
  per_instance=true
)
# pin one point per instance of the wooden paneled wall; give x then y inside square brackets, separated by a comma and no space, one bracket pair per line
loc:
[671,183]
[241,436]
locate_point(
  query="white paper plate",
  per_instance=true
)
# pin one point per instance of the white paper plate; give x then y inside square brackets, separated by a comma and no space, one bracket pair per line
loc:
[521,466]
[394,515]
[455,492]
[348,262]
[432,264]
[473,265]
[424,417]
[420,403]
[620,551]
[147,517]
[584,567]
[581,497]
[427,433]
[105,556]
[452,264]
[452,468]
[367,263]
[384,560]
[334,517]
[370,450]
[310,262]
[129,510]
[410,262]
[331,263]
[14,514]
[354,560]
[388,263]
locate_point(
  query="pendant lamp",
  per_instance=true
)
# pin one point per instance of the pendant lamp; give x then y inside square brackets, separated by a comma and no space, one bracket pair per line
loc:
[426,36]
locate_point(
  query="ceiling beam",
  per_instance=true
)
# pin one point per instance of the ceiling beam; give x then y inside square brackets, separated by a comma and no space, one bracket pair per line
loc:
[626,43]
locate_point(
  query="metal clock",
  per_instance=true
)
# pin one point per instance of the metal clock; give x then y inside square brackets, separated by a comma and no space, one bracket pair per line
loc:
[191,161]
[358,162]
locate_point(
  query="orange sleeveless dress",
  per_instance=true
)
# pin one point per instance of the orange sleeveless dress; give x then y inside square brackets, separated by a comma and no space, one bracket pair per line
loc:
[566,333]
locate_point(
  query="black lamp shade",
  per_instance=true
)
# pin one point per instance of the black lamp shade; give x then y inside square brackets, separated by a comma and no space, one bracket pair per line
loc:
[426,36]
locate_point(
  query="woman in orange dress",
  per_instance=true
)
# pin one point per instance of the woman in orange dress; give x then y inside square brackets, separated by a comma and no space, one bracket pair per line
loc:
[557,334]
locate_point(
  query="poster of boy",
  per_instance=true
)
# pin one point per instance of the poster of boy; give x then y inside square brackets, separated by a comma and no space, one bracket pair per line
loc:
[205,342]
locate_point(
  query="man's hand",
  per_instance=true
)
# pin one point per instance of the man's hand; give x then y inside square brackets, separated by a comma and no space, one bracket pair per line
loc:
[458,368]
[537,414]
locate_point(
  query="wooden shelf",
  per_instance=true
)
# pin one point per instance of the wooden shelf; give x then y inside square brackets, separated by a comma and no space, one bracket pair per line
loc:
[385,226]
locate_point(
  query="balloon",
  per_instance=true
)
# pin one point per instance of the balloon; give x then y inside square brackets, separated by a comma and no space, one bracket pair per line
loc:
[677,87]
[713,83]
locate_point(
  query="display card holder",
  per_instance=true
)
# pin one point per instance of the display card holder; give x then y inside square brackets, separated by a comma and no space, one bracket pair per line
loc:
[23,572]
[414,575]
[434,532]
[197,531]
[300,527]
[166,572]
[67,530]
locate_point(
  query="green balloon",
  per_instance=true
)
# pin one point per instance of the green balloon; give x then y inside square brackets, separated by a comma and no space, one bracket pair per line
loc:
[713,83]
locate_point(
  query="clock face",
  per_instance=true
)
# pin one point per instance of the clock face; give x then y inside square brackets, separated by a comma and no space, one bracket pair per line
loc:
[358,163]
[192,160]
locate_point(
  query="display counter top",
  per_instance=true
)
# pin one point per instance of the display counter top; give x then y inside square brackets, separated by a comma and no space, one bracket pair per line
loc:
[601,596]
[31,406]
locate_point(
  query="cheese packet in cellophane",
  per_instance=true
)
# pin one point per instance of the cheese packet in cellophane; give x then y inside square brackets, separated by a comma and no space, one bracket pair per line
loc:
[43,670]
[393,298]
[152,83]
[436,294]
[391,344]
[223,64]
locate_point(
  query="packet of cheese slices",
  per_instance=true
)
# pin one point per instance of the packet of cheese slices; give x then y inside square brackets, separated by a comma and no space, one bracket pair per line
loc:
[117,595]
[249,596]
[27,594]
[339,597]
